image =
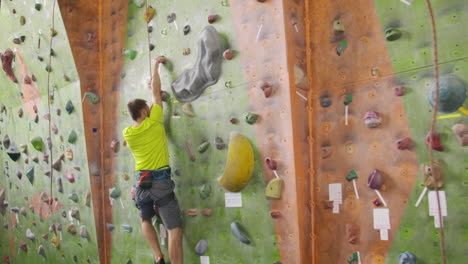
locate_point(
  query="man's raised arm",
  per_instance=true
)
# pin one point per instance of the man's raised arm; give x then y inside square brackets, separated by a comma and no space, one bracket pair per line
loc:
[156,86]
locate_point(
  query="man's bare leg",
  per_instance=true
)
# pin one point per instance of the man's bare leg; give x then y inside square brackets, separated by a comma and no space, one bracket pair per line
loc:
[175,246]
[150,234]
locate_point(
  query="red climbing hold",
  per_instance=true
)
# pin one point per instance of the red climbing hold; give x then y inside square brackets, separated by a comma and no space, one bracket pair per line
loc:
[212,18]
[271,163]
[228,54]
[192,212]
[207,212]
[433,140]
[7,59]
[399,90]
[377,202]
[405,143]
[275,214]
[266,88]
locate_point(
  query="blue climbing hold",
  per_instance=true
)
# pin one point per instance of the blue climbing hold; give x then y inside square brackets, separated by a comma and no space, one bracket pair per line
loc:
[407,258]
[452,93]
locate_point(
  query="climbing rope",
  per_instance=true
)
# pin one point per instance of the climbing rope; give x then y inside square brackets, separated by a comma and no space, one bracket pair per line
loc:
[433,124]
[149,51]
[48,105]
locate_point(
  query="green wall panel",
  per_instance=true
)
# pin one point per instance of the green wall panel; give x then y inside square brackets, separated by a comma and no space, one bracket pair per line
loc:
[213,110]
[22,130]
[412,59]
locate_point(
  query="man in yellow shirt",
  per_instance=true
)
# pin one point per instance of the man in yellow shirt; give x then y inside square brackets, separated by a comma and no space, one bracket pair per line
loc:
[154,193]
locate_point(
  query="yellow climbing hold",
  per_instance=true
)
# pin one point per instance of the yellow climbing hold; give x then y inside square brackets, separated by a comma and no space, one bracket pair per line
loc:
[463,110]
[149,13]
[239,165]
[273,189]
[55,241]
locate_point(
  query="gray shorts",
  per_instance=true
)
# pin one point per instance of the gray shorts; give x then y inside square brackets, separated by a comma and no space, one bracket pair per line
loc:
[169,212]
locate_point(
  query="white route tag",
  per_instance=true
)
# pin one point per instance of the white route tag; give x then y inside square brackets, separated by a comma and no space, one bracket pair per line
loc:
[204,260]
[233,199]
[434,207]
[335,193]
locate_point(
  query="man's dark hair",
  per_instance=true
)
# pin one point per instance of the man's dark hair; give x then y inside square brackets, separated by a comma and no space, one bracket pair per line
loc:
[135,107]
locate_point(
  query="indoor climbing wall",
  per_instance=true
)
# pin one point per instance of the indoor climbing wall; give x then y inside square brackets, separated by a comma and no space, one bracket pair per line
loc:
[194,36]
[34,230]
[412,61]
[373,65]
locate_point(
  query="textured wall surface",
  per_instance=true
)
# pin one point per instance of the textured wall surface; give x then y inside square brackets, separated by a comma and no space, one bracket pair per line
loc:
[369,68]
[226,99]
[20,192]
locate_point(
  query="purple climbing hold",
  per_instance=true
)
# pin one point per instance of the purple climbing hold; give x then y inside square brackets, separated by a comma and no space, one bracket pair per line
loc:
[375,180]
[110,227]
[219,143]
[372,119]
[114,145]
[201,247]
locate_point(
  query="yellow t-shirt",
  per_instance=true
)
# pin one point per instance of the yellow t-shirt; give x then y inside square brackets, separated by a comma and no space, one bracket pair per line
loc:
[148,141]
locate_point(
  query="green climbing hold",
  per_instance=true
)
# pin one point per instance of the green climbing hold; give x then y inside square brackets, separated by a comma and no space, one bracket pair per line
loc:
[48,68]
[69,107]
[72,137]
[115,193]
[73,197]
[352,175]
[392,34]
[93,98]
[348,99]
[30,175]
[251,118]
[353,258]
[205,191]
[22,20]
[203,147]
[341,48]
[37,143]
[131,54]
[38,6]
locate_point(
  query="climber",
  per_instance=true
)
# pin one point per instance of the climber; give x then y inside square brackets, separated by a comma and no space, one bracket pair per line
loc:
[153,192]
